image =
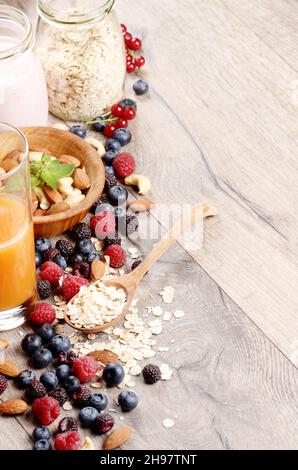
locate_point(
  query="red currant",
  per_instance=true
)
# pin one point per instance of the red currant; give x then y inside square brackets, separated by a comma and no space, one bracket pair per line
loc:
[129,114]
[135,44]
[117,110]
[124,28]
[130,67]
[129,58]
[127,38]
[140,61]
[109,130]
[121,123]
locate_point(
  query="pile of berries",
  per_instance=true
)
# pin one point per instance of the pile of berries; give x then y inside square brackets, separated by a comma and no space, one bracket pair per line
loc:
[132,44]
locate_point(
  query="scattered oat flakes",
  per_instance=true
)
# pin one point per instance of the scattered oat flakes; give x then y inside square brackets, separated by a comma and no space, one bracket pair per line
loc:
[135,370]
[163,349]
[67,406]
[166,372]
[131,384]
[168,294]
[96,385]
[168,423]
[178,314]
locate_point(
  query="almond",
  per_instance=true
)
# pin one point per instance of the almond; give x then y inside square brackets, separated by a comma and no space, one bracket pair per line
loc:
[98,269]
[8,164]
[13,407]
[52,195]
[58,208]
[81,179]
[117,438]
[105,356]
[141,205]
[39,212]
[4,343]
[69,160]
[9,368]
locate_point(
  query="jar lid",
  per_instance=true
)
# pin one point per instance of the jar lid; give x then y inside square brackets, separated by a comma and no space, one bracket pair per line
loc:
[16,32]
[74,12]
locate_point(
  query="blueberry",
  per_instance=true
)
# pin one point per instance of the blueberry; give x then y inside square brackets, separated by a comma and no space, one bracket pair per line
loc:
[25,378]
[31,343]
[141,87]
[84,246]
[98,401]
[109,170]
[61,261]
[43,244]
[99,126]
[76,258]
[117,195]
[46,333]
[59,344]
[63,372]
[81,131]
[113,374]
[49,380]
[41,432]
[71,384]
[38,259]
[42,358]
[123,136]
[109,156]
[128,400]
[105,207]
[112,144]
[87,416]
[92,257]
[128,103]
[42,444]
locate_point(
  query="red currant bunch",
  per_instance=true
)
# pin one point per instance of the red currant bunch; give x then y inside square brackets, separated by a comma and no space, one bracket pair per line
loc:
[121,113]
[132,44]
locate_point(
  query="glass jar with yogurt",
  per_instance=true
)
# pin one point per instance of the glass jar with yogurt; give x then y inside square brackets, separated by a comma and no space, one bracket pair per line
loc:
[23,91]
[81,46]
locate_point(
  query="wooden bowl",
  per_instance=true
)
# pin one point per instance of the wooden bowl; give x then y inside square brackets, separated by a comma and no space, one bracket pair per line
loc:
[56,143]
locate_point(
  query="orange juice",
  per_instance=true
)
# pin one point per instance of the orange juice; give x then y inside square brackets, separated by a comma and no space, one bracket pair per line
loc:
[17,259]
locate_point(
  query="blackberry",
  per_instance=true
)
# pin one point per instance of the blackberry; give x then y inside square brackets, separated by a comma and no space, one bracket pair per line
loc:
[81,269]
[103,423]
[44,289]
[132,224]
[136,264]
[151,374]
[60,395]
[81,396]
[3,384]
[65,248]
[110,181]
[50,254]
[81,231]
[35,390]
[66,358]
[102,200]
[112,241]
[68,425]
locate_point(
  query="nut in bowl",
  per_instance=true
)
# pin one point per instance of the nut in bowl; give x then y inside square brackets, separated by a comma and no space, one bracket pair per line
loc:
[60,203]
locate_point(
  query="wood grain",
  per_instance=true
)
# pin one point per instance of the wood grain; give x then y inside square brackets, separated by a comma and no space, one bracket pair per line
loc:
[220,124]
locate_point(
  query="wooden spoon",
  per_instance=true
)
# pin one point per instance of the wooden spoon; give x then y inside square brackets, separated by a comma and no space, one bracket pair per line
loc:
[130,282]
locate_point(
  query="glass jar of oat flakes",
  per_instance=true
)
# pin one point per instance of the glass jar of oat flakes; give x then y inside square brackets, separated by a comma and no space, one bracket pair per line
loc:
[81,46]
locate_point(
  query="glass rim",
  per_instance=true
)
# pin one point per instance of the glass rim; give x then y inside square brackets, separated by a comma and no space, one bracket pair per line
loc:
[63,17]
[17,16]
[25,152]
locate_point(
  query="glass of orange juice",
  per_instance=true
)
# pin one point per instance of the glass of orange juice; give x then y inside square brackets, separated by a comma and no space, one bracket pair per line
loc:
[17,258]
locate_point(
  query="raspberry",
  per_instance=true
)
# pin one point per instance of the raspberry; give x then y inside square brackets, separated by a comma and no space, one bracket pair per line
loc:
[44,289]
[67,425]
[117,256]
[43,313]
[103,423]
[50,254]
[60,395]
[46,410]
[68,441]
[103,224]
[81,232]
[132,224]
[35,390]
[71,286]
[151,374]
[85,368]
[65,248]
[81,396]
[3,384]
[51,272]
[82,270]
[124,164]
[102,200]
[110,181]
[112,241]
[66,358]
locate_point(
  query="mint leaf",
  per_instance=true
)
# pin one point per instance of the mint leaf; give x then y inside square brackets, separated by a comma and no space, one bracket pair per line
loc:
[54,171]
[35,181]
[46,158]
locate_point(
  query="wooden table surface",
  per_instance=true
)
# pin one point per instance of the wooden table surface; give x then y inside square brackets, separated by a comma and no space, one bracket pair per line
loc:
[220,124]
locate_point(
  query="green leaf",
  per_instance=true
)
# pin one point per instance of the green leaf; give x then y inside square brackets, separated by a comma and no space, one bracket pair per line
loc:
[46,158]
[35,181]
[54,172]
